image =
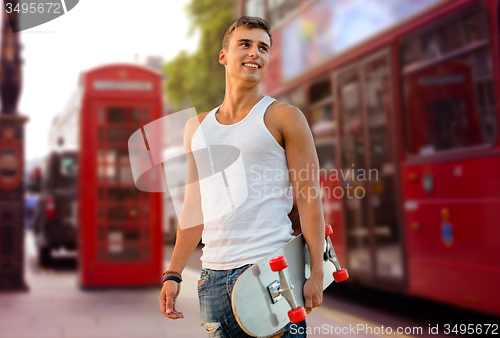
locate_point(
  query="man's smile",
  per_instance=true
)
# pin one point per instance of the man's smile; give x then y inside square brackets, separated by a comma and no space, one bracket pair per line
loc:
[251,65]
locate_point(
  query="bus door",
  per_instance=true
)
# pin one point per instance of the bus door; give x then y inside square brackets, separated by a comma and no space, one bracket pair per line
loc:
[369,170]
[125,237]
[324,129]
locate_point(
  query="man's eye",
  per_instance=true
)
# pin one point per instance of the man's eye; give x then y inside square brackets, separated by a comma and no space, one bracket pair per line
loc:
[244,44]
[264,49]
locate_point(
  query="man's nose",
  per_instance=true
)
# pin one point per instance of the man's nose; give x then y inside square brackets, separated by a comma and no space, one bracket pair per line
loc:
[254,52]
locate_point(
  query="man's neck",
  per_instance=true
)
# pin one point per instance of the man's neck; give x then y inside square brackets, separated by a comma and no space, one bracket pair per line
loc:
[238,101]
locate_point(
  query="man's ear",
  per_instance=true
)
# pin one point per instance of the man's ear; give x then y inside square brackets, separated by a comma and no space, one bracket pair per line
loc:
[222,57]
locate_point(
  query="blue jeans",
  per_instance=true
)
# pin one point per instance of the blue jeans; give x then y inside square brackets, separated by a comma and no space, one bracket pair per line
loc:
[217,315]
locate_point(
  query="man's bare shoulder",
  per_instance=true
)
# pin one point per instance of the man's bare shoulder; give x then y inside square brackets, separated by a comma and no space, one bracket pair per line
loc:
[282,114]
[193,123]
[198,119]
[201,116]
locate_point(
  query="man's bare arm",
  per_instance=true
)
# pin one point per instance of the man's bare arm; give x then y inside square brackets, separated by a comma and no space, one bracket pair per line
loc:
[189,230]
[303,166]
[190,226]
[302,159]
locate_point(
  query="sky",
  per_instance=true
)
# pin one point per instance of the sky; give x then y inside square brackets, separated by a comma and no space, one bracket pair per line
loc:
[94,33]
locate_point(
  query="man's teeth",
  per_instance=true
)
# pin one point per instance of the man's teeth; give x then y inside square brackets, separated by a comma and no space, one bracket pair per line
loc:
[251,65]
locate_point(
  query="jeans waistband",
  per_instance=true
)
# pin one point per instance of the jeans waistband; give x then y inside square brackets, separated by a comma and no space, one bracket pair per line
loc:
[228,270]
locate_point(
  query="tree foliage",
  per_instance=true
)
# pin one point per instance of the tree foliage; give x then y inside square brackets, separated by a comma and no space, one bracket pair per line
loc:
[198,79]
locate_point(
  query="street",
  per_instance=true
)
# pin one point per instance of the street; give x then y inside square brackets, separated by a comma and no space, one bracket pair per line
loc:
[56,306]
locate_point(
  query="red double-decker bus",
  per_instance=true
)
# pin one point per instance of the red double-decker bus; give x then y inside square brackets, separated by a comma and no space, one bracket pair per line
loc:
[401,97]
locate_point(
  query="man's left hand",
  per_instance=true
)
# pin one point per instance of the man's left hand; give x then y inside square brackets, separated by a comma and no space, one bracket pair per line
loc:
[313,293]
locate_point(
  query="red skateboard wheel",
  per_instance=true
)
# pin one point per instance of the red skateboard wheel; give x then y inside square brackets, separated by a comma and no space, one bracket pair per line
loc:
[328,230]
[340,275]
[278,263]
[297,315]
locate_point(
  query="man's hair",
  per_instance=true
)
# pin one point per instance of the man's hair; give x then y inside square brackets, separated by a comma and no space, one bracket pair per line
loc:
[248,22]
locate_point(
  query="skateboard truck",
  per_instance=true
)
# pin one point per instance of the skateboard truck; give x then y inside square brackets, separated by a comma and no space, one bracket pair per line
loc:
[280,289]
[274,288]
[341,274]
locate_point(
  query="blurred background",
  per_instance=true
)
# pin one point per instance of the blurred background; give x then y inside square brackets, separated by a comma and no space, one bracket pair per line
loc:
[405,89]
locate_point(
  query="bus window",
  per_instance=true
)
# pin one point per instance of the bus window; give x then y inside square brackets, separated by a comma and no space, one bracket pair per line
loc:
[448,100]
[320,91]
[60,170]
[68,167]
[326,153]
[378,103]
[320,99]
[353,163]
[323,126]
[295,97]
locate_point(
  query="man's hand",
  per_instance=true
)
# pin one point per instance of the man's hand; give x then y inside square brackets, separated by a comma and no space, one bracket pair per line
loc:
[168,297]
[313,293]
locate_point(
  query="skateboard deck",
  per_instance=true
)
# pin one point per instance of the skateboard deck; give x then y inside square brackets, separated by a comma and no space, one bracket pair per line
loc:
[259,305]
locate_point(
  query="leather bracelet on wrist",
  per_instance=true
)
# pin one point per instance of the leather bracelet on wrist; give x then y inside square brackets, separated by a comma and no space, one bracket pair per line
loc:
[172,277]
[172,272]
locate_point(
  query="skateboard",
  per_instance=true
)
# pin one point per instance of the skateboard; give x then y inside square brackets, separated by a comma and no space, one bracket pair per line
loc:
[268,295]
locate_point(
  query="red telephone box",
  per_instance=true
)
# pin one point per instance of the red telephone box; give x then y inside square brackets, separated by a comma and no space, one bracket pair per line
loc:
[120,235]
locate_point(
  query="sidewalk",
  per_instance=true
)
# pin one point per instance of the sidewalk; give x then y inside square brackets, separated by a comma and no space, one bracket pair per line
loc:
[56,307]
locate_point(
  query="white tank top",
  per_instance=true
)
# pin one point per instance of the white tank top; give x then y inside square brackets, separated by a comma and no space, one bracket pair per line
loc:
[245,187]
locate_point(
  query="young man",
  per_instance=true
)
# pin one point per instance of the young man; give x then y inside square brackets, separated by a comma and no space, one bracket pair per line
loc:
[270,138]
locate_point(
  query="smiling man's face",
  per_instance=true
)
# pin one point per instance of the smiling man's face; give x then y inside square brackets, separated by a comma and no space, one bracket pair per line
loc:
[247,54]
